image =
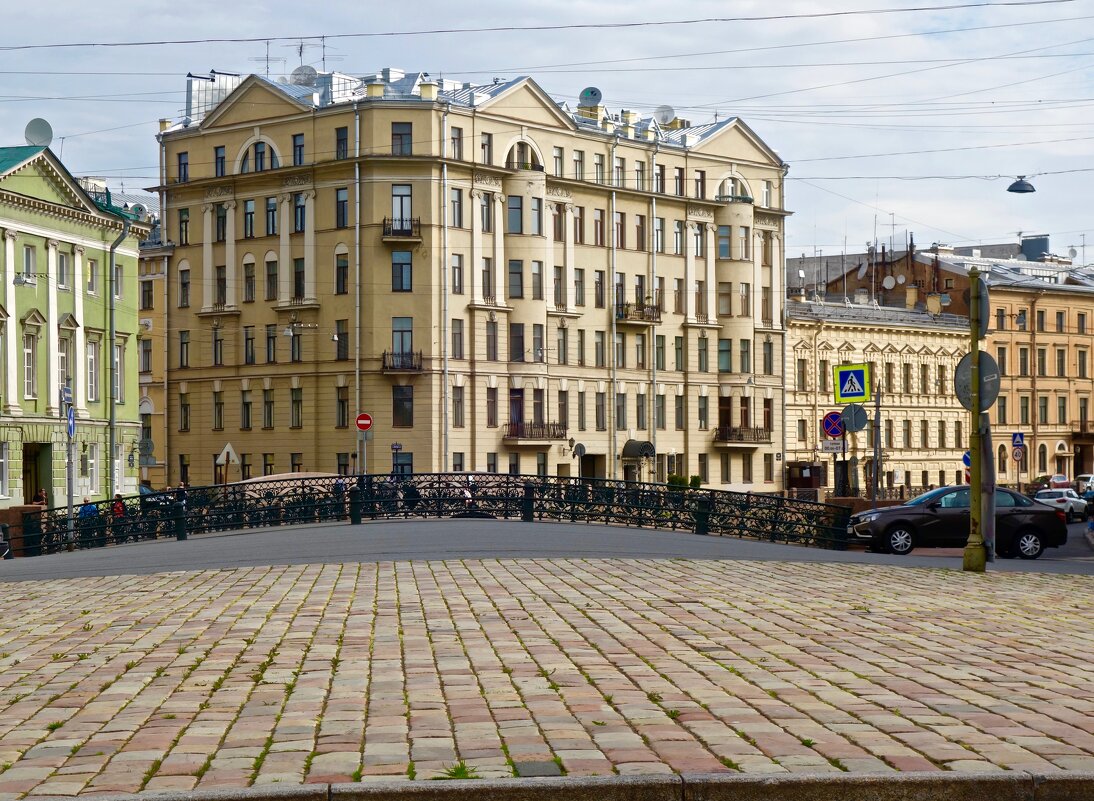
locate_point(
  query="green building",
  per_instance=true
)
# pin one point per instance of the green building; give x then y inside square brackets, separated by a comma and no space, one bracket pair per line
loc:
[58,298]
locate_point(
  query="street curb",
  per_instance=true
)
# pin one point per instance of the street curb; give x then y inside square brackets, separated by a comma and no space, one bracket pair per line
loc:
[932,786]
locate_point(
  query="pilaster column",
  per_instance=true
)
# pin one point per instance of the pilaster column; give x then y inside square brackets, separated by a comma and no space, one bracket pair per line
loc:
[12,395]
[473,270]
[230,267]
[549,209]
[689,272]
[309,244]
[79,347]
[501,269]
[757,274]
[284,257]
[778,296]
[51,332]
[568,248]
[207,266]
[711,274]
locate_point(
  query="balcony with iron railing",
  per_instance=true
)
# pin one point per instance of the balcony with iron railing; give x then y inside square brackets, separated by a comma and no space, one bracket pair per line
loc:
[645,310]
[402,361]
[742,435]
[402,229]
[732,199]
[534,431]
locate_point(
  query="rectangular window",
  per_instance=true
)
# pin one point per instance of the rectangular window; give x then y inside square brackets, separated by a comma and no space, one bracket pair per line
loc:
[579,225]
[599,355]
[184,232]
[218,347]
[341,274]
[297,149]
[659,352]
[271,280]
[341,409]
[221,222]
[298,279]
[455,144]
[486,210]
[491,341]
[457,274]
[704,356]
[659,412]
[581,347]
[457,339]
[562,346]
[700,184]
[249,282]
[491,407]
[296,407]
[679,412]
[401,271]
[145,356]
[1061,409]
[341,208]
[245,409]
[341,143]
[341,340]
[218,161]
[300,216]
[516,278]
[704,413]
[536,221]
[598,227]
[600,411]
[183,167]
[218,411]
[598,289]
[514,219]
[248,219]
[184,411]
[1061,362]
[678,353]
[268,408]
[486,148]
[1001,410]
[579,165]
[744,247]
[457,407]
[248,344]
[456,208]
[271,216]
[271,344]
[516,342]
[598,168]
[402,139]
[620,410]
[402,406]
[678,181]
[184,349]
[678,237]
[1061,324]
[746,356]
[563,415]
[620,350]
[537,280]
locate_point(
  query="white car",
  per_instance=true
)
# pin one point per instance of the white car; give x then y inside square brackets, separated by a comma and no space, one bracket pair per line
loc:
[1073,506]
[1084,482]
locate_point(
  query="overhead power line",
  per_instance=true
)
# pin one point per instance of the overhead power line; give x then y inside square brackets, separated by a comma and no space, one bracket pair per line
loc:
[569,27]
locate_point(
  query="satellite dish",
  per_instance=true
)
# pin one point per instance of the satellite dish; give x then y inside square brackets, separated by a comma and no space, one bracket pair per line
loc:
[139,209]
[1072,252]
[888,283]
[38,133]
[664,114]
[282,79]
[303,76]
[590,96]
[862,271]
[900,279]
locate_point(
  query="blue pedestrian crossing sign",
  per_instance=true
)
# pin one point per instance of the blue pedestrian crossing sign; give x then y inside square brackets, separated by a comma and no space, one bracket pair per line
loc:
[852,382]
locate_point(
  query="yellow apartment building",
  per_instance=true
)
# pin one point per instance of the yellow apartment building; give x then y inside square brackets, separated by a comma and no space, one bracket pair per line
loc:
[503,282]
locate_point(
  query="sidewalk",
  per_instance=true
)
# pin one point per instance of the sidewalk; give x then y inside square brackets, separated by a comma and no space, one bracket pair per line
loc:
[414,670]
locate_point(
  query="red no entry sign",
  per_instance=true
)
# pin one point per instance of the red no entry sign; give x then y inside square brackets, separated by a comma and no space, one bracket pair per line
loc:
[364,421]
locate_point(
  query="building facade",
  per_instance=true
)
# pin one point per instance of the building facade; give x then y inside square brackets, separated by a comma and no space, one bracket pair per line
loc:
[503,283]
[61,303]
[912,355]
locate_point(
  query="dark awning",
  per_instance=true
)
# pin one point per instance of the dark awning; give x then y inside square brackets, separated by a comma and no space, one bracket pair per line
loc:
[638,449]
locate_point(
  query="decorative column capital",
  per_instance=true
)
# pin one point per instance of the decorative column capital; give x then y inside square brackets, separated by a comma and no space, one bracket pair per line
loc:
[207,208]
[80,249]
[229,204]
[10,234]
[52,244]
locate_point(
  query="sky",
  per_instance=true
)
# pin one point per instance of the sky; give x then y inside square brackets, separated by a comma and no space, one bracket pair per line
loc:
[905,118]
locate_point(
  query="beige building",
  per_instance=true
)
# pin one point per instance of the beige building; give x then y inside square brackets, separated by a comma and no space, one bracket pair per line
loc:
[502,282]
[912,355]
[1041,333]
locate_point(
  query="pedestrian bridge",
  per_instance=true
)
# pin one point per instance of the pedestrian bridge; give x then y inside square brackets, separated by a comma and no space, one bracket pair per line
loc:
[366,498]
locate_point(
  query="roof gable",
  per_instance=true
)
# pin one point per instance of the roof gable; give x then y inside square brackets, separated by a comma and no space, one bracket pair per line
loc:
[525,100]
[734,138]
[39,175]
[255,100]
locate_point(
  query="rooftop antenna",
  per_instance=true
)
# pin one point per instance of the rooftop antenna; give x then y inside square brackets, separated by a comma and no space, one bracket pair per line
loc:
[299,48]
[326,58]
[267,59]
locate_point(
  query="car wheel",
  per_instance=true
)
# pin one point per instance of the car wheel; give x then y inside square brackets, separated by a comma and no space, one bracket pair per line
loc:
[900,539]
[1029,545]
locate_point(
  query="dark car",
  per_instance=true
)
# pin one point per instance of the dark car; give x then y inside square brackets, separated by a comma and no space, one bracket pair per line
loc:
[940,519]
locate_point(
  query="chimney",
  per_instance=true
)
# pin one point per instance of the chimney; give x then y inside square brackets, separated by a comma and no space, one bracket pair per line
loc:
[164,124]
[911,296]
[428,90]
[375,89]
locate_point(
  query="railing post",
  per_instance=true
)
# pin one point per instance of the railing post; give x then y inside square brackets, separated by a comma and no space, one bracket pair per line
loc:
[528,501]
[355,506]
[178,511]
[702,514]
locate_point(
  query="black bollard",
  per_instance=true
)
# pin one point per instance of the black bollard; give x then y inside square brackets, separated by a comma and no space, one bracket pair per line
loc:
[527,502]
[178,513]
[355,506]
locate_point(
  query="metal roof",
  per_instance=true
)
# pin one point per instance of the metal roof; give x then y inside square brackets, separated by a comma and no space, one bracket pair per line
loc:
[13,157]
[868,314]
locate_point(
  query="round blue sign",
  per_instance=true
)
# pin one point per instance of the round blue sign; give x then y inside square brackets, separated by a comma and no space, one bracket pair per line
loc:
[832,423]
[966,459]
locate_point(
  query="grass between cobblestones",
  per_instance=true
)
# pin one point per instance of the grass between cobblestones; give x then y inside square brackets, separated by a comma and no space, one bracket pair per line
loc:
[413,671]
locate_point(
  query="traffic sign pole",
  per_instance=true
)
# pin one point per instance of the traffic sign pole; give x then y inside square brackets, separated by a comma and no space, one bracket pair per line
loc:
[975,559]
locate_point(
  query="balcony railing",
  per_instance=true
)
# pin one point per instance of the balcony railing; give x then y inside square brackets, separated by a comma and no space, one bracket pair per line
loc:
[742,434]
[410,227]
[638,312]
[1083,426]
[408,361]
[535,431]
[733,198]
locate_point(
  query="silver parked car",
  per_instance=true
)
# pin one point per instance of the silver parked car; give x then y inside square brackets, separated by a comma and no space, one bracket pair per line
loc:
[1073,506]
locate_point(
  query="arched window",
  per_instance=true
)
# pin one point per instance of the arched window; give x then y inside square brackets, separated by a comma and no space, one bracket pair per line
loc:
[523,157]
[1001,466]
[258,156]
[1042,458]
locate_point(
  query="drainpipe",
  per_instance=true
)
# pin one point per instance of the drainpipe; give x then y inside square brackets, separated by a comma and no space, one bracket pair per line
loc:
[653,293]
[359,450]
[614,432]
[444,288]
[111,290]
[166,291]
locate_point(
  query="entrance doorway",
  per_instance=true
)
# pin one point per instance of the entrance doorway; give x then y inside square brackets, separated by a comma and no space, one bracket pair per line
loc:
[592,466]
[630,472]
[37,461]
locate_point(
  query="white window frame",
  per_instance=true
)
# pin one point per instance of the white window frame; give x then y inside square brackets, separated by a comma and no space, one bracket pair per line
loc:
[30,364]
[30,261]
[93,351]
[119,372]
[93,468]
[63,272]
[119,277]
[92,276]
[64,344]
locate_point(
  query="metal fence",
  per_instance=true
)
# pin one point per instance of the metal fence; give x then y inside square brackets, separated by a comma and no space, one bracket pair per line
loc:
[260,504]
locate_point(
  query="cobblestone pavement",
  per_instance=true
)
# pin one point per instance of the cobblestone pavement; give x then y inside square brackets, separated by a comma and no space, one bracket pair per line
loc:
[412,670]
